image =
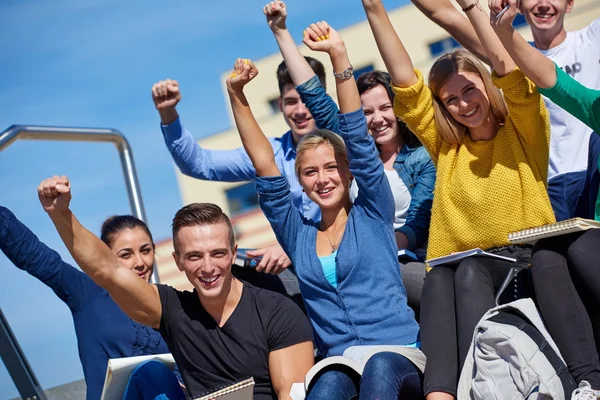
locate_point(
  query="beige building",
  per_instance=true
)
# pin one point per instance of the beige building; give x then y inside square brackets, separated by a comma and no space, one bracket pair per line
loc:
[424,41]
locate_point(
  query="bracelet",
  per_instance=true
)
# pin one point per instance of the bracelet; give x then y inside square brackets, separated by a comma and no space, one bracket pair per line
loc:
[345,74]
[469,8]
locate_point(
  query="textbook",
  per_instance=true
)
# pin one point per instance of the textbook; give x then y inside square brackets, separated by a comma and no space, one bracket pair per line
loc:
[356,358]
[241,390]
[243,260]
[119,370]
[558,228]
[455,257]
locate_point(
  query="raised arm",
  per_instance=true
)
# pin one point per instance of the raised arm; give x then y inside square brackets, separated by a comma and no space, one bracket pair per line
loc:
[443,13]
[396,58]
[28,253]
[256,144]
[321,106]
[321,37]
[137,298]
[499,57]
[298,67]
[537,67]
[374,193]
[191,159]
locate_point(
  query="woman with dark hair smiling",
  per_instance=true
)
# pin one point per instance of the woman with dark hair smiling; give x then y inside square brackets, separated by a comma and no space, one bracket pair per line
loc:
[103,330]
[410,172]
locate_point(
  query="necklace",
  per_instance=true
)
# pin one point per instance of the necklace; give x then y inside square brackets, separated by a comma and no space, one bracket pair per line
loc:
[335,245]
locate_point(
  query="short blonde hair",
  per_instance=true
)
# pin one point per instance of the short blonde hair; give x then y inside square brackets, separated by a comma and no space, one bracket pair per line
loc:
[315,139]
[449,129]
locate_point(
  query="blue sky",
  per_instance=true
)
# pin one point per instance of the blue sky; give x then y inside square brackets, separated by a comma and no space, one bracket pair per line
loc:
[91,64]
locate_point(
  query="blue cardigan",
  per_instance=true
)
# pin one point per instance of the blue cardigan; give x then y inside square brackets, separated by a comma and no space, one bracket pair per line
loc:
[369,305]
[103,330]
[413,165]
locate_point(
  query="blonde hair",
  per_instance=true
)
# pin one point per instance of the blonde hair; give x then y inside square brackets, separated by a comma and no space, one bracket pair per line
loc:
[461,60]
[315,139]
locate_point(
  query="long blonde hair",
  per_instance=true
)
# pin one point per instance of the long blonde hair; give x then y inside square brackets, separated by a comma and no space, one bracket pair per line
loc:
[315,139]
[461,60]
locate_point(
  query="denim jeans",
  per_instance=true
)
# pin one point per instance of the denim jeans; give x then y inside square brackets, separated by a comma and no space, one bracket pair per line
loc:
[385,376]
[153,380]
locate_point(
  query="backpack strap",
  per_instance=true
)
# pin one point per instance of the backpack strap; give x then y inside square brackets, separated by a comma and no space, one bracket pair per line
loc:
[523,324]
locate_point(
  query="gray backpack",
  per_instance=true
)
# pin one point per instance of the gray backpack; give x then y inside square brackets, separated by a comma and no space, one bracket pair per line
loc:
[512,356]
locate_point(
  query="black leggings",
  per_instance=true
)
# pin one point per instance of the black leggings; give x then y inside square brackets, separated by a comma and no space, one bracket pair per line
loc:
[566,278]
[454,300]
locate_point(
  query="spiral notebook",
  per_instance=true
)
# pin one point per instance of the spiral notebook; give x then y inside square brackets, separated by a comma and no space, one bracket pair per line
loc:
[559,228]
[241,390]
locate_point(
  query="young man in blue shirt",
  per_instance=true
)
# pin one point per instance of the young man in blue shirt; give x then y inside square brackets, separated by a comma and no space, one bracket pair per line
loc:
[234,165]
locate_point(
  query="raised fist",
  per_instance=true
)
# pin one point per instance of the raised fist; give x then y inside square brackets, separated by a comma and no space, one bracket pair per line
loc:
[276,13]
[166,94]
[502,13]
[321,37]
[243,72]
[55,193]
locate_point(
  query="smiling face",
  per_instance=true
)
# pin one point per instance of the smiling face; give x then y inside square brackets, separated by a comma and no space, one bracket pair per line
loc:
[295,113]
[464,96]
[379,110]
[134,250]
[205,254]
[324,176]
[546,16]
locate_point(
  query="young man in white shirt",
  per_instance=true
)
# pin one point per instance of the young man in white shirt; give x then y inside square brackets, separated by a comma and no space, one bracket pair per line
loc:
[574,151]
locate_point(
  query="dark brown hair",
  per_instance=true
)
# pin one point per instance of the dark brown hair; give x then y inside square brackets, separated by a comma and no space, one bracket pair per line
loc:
[112,226]
[284,78]
[201,214]
[368,81]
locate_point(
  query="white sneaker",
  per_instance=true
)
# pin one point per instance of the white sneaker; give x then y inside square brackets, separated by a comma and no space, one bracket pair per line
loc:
[585,392]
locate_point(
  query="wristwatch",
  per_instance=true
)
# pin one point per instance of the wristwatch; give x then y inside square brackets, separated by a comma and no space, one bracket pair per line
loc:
[345,74]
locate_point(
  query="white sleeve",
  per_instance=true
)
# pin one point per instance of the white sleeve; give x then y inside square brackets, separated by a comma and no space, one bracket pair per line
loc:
[593,33]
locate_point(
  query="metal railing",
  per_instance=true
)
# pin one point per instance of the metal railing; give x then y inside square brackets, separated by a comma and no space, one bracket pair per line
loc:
[13,357]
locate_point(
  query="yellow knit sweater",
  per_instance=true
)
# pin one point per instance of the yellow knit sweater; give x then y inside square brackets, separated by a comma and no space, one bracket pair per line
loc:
[486,189]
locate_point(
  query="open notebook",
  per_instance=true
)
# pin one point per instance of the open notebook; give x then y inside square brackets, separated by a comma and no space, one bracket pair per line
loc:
[119,370]
[559,228]
[355,358]
[456,257]
[241,390]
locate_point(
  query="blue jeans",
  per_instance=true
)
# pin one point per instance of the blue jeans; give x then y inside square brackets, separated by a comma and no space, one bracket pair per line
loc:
[153,380]
[386,376]
[574,194]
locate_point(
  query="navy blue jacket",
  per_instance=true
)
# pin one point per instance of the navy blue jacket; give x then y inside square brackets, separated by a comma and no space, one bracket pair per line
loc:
[103,330]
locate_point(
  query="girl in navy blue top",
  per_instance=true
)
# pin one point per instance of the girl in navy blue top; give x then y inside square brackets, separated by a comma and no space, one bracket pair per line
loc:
[347,264]
[103,330]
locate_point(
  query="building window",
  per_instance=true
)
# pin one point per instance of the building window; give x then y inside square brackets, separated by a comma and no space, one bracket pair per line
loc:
[443,46]
[359,71]
[242,198]
[274,105]
[519,21]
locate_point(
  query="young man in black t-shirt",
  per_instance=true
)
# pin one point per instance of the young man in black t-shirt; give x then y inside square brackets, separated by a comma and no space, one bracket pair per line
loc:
[225,329]
[221,332]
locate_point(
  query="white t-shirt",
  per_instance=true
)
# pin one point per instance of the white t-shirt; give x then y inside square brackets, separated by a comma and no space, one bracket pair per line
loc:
[579,56]
[401,194]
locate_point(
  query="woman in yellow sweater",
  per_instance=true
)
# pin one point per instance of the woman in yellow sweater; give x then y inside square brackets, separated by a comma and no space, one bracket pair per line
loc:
[491,153]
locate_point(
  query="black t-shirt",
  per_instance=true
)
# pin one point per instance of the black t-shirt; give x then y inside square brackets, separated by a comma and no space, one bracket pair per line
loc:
[210,357]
